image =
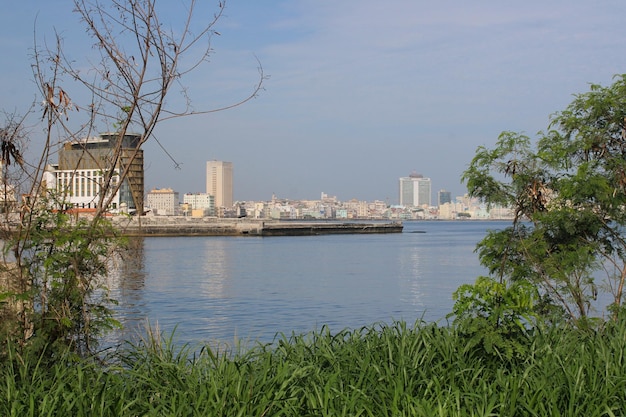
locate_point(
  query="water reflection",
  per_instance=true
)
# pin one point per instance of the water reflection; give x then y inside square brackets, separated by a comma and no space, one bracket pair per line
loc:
[126,282]
[224,288]
[215,261]
[411,275]
[132,271]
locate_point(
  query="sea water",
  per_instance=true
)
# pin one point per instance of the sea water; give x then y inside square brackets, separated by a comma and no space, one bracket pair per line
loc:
[225,289]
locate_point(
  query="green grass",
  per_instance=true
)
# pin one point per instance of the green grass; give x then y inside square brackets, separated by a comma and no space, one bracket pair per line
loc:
[383,370]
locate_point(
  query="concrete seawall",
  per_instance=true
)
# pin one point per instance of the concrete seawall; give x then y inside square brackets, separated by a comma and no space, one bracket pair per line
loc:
[184,226]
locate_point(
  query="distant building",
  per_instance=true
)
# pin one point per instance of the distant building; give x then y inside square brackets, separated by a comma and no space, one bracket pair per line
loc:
[8,197]
[163,202]
[82,166]
[219,182]
[415,191]
[200,204]
[444,197]
[260,210]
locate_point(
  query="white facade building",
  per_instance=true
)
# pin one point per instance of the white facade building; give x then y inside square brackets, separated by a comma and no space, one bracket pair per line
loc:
[163,202]
[201,201]
[80,188]
[76,181]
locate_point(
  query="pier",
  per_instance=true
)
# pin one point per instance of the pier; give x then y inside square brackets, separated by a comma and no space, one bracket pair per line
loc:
[187,226]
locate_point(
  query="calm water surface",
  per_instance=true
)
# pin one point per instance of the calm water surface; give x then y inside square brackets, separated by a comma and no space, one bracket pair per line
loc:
[222,289]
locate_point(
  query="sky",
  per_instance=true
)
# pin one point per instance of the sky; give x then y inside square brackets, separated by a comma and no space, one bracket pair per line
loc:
[359,92]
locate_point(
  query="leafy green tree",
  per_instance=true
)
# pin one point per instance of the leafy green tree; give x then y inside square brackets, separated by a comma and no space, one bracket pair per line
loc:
[568,193]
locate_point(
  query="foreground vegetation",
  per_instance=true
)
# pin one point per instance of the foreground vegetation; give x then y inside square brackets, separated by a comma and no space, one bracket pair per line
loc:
[386,370]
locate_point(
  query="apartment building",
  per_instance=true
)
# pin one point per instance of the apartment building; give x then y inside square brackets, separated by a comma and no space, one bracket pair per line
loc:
[163,201]
[200,204]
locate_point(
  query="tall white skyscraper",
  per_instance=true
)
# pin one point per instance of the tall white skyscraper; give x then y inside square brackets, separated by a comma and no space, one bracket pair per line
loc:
[219,182]
[415,191]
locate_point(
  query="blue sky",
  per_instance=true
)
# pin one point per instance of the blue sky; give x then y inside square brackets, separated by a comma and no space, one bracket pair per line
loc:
[361,92]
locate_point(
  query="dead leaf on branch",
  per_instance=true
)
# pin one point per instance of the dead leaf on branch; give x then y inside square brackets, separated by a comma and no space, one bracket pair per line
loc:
[60,106]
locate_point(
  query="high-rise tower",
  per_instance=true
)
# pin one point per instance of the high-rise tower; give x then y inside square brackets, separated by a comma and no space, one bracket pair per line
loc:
[219,182]
[444,197]
[415,190]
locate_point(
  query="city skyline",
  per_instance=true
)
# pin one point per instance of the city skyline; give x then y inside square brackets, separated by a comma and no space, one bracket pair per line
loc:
[414,196]
[358,94]
[415,190]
